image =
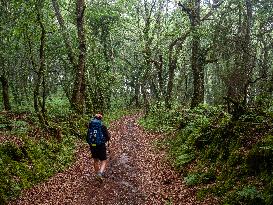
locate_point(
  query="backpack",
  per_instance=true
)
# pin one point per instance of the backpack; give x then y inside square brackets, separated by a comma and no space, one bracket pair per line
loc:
[95,135]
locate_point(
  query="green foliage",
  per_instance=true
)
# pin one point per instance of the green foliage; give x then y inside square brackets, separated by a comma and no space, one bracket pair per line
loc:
[32,158]
[116,114]
[194,178]
[58,107]
[248,192]
[33,161]
[191,179]
[5,122]
[183,158]
[235,157]
[15,123]
[25,106]
[246,195]
[260,159]
[160,119]
[31,155]
[20,126]
[183,148]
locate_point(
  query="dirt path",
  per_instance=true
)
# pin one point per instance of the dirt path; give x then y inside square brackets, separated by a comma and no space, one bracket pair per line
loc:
[137,174]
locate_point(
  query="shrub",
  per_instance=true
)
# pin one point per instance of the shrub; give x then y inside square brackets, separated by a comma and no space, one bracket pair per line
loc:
[160,119]
[34,161]
[236,155]
[58,107]
[246,195]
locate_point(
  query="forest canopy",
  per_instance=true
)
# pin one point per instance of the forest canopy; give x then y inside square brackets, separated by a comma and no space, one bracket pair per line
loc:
[99,54]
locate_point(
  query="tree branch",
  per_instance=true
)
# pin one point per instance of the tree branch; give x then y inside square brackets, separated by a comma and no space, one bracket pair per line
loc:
[67,41]
[185,9]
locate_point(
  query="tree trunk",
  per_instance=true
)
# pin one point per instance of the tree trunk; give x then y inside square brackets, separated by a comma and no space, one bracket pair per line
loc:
[5,89]
[153,89]
[172,67]
[247,58]
[145,78]
[196,62]
[136,94]
[198,74]
[158,89]
[187,91]
[40,75]
[160,75]
[174,50]
[78,95]
[145,98]
[65,35]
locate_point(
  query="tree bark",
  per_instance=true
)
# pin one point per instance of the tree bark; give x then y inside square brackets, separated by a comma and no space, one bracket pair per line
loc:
[172,67]
[136,97]
[158,88]
[196,63]
[65,35]
[136,86]
[147,56]
[5,92]
[198,73]
[247,50]
[160,75]
[78,95]
[174,50]
[145,98]
[40,75]
[197,58]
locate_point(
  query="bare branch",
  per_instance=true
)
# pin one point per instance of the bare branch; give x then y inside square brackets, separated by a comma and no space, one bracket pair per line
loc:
[185,9]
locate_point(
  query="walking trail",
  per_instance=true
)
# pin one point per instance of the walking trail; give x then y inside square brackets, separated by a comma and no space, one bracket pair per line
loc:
[137,174]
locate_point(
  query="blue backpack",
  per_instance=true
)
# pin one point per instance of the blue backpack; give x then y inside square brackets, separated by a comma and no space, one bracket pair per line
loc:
[95,135]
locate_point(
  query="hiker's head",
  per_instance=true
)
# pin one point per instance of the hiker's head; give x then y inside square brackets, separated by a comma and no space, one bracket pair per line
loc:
[98,116]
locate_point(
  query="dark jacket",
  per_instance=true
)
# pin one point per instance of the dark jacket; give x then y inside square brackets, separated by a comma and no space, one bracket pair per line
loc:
[106,133]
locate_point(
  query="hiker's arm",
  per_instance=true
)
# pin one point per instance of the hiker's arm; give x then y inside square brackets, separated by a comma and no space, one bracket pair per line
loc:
[107,134]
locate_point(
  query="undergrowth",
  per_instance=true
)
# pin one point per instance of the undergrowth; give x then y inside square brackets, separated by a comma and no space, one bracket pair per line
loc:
[25,165]
[30,154]
[232,159]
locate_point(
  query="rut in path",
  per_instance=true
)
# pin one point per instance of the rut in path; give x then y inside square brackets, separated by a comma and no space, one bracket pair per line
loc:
[137,174]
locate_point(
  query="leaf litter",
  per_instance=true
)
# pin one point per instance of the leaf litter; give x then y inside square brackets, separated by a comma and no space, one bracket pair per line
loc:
[137,174]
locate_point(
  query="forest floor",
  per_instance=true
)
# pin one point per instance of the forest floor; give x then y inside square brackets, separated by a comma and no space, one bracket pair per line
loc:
[138,173]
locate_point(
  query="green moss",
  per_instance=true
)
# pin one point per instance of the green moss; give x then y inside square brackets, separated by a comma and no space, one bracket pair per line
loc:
[21,167]
[235,155]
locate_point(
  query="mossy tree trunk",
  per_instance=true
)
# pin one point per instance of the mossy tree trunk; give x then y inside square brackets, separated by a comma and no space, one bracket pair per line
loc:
[78,94]
[196,64]
[174,50]
[5,92]
[39,103]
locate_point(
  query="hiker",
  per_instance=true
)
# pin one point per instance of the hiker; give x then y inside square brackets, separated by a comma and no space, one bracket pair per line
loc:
[97,136]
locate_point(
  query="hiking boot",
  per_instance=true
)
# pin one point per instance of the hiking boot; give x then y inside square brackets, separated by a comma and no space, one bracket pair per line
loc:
[99,177]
